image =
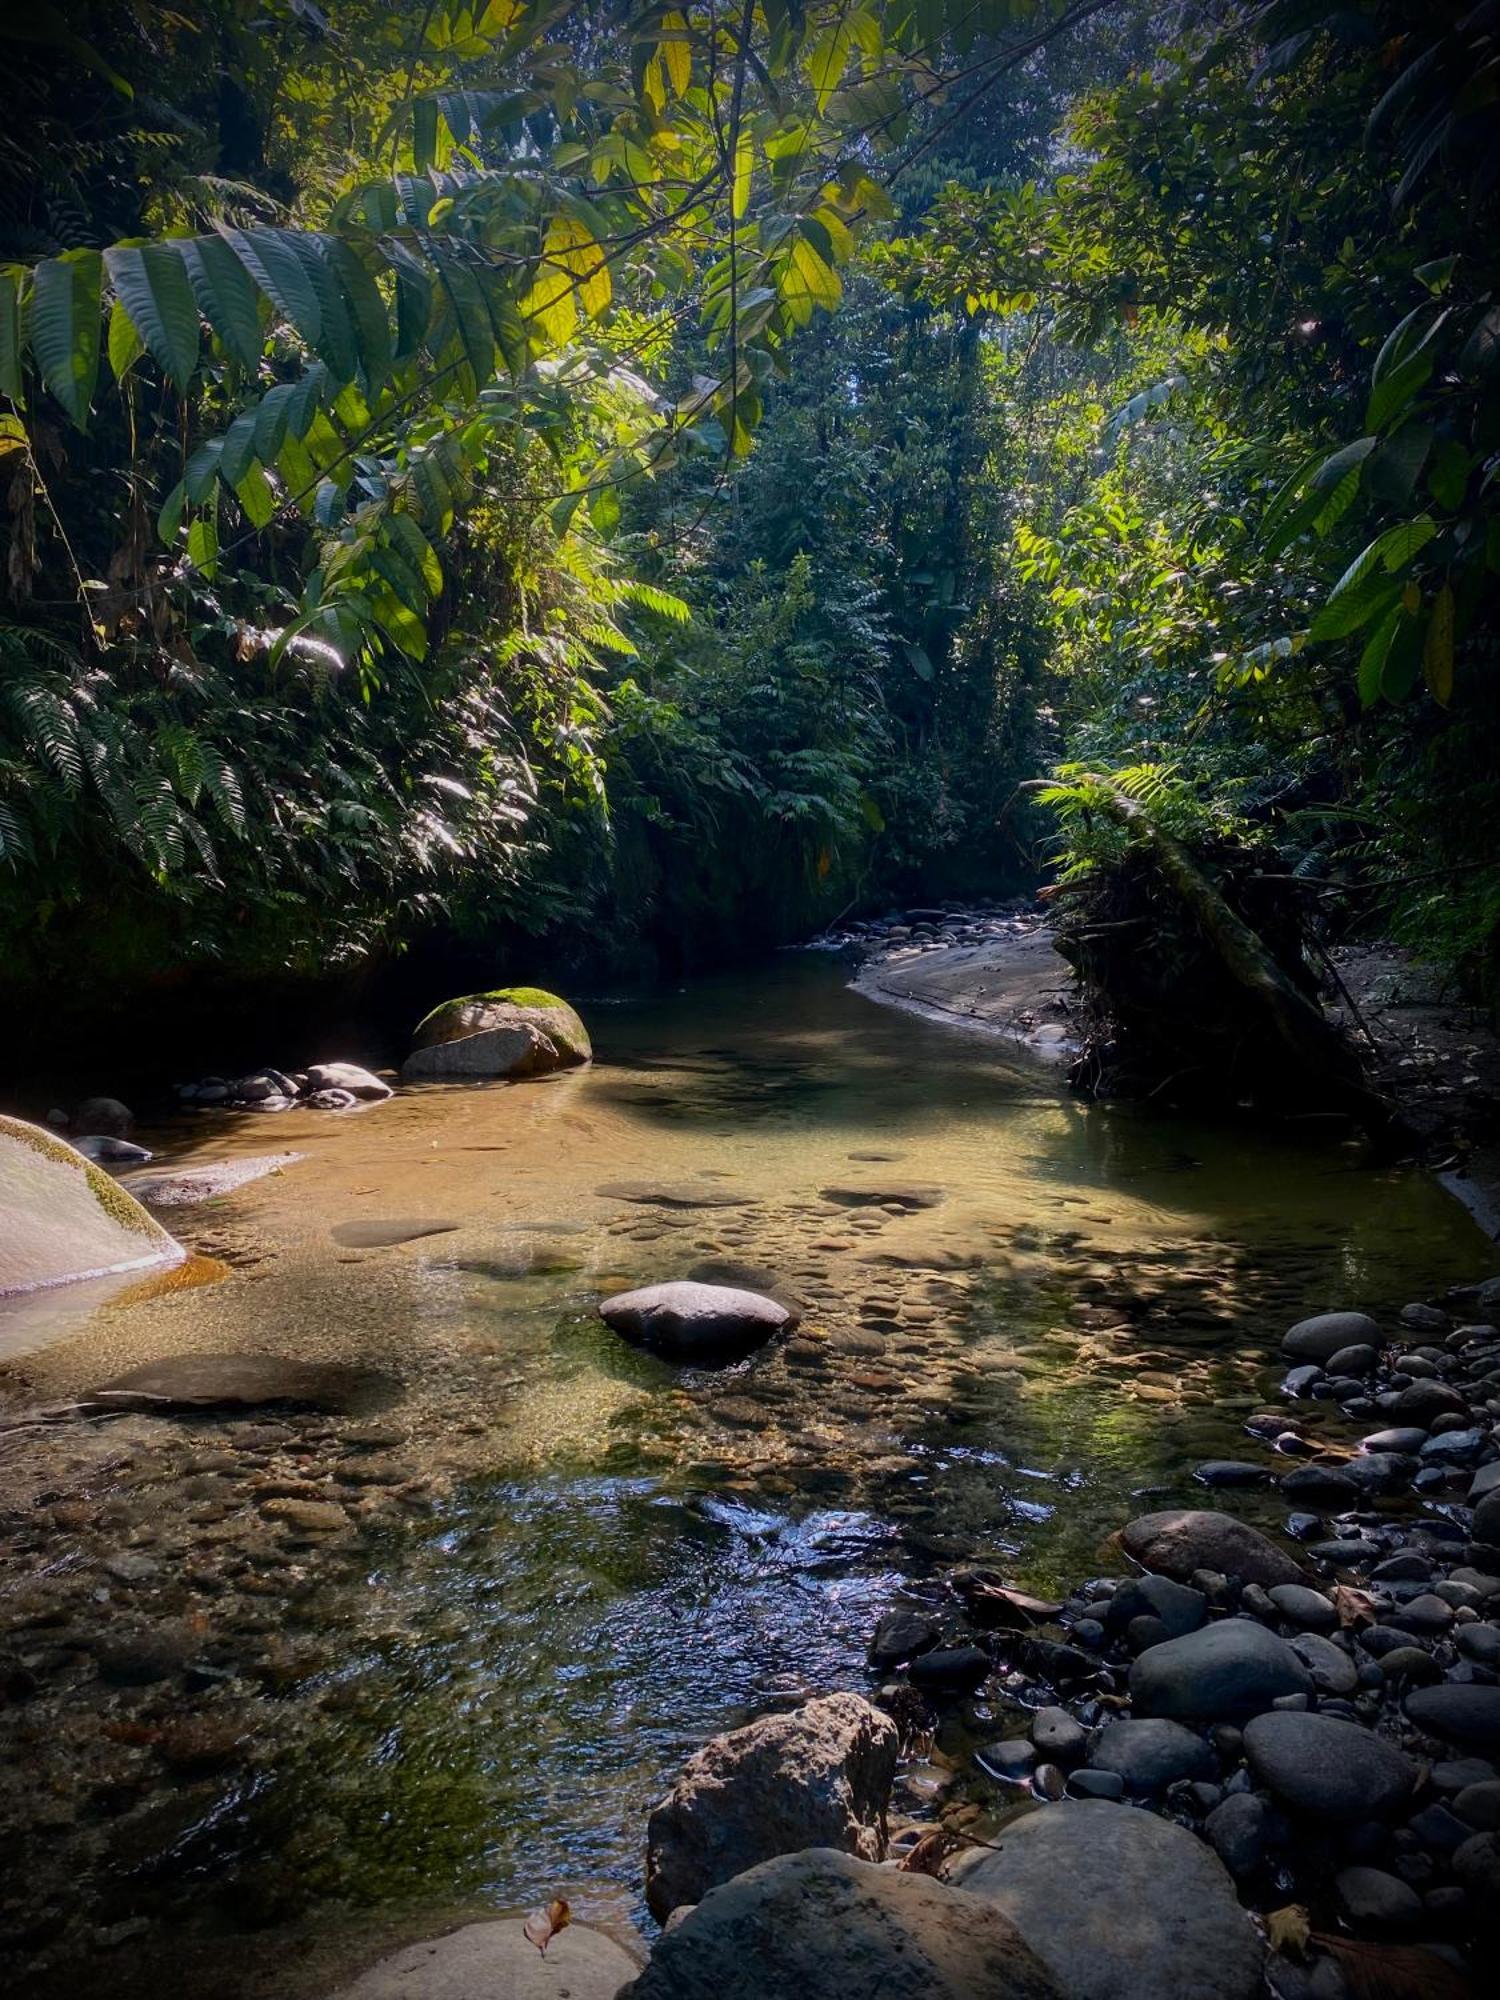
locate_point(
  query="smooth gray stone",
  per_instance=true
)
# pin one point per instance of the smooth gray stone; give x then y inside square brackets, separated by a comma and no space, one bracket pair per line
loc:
[1151,1753]
[1224,1672]
[1328,1769]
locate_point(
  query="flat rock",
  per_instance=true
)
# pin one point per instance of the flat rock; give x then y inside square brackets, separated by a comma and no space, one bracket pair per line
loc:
[1222,1673]
[234,1381]
[1458,1712]
[818,1777]
[1320,1338]
[497,1961]
[1325,1768]
[657,1194]
[64,1218]
[380,1232]
[902,1195]
[691,1322]
[823,1926]
[1178,1542]
[1118,1904]
[184,1187]
[1332,1670]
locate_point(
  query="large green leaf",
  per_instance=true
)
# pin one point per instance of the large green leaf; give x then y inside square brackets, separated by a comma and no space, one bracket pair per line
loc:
[66,328]
[151,282]
[11,383]
[226,297]
[272,260]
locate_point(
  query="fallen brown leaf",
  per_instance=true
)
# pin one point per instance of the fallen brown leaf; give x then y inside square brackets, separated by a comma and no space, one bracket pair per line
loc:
[542,1926]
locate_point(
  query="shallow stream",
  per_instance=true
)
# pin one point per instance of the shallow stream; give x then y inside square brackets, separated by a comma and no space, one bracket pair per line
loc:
[573,1562]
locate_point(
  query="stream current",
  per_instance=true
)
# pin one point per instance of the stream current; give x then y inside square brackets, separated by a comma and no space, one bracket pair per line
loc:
[566,1563]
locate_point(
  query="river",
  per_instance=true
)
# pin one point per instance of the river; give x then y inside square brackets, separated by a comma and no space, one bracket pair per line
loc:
[1021,1315]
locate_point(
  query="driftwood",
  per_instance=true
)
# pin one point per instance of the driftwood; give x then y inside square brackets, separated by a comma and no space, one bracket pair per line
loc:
[1276,1010]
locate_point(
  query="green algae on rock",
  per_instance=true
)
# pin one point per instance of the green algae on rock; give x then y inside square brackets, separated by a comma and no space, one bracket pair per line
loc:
[514,1031]
[65,1218]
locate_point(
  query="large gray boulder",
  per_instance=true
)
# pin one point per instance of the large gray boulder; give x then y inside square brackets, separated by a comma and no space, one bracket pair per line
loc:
[1221,1673]
[1320,1338]
[1324,1768]
[499,1962]
[822,1926]
[1152,1753]
[62,1217]
[690,1322]
[1118,1904]
[818,1777]
[1181,1540]
[515,1031]
[1462,1712]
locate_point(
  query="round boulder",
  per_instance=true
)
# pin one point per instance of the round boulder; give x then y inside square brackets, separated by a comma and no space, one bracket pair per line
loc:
[1459,1712]
[499,1958]
[515,1031]
[1118,1904]
[1150,1754]
[1219,1674]
[1182,1540]
[1321,1337]
[690,1322]
[1323,1768]
[64,1218]
[821,1925]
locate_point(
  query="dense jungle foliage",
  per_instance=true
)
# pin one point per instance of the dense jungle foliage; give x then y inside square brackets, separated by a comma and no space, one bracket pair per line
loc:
[636,482]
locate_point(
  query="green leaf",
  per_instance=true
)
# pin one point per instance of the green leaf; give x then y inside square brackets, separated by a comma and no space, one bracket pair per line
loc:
[1448,476]
[203,546]
[827,62]
[1392,472]
[226,297]
[125,346]
[254,494]
[271,258]
[408,537]
[239,453]
[367,311]
[1437,653]
[11,383]
[474,327]
[1372,659]
[1396,390]
[150,280]
[1403,662]
[66,328]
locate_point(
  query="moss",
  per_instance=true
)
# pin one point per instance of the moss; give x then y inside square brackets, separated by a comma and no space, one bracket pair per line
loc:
[119,1206]
[570,1033]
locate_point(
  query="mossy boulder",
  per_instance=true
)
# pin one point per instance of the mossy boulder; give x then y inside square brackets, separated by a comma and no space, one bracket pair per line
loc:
[514,1031]
[64,1218]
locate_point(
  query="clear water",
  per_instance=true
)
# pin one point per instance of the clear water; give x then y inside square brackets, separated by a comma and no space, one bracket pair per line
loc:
[620,1557]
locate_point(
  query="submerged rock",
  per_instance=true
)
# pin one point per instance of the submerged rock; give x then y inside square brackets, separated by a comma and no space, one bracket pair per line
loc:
[1118,1904]
[64,1218]
[1178,1542]
[184,1187]
[818,1777]
[104,1114]
[498,1958]
[689,1322]
[822,1926]
[235,1381]
[515,1031]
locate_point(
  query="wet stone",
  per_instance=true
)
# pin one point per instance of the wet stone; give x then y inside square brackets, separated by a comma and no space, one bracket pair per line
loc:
[1328,1769]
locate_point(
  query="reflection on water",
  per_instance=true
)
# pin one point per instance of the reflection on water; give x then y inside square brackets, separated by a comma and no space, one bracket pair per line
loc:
[1020,1314]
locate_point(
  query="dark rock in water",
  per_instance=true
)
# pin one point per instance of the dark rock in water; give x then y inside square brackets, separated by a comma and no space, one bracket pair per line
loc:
[652,1194]
[1356,1360]
[1376,1472]
[951,1670]
[1458,1712]
[1175,1606]
[818,1777]
[1370,1897]
[1332,1670]
[1239,1831]
[1328,1769]
[1320,1486]
[893,1196]
[1118,1904]
[1058,1736]
[1477,1866]
[237,1381]
[1404,1440]
[1012,1759]
[1224,1672]
[1424,1402]
[900,1635]
[1091,1784]
[1178,1542]
[1149,1754]
[1426,1319]
[821,1926]
[379,1233]
[689,1322]
[1230,1472]
[105,1115]
[152,1653]
[1320,1338]
[1487,1518]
